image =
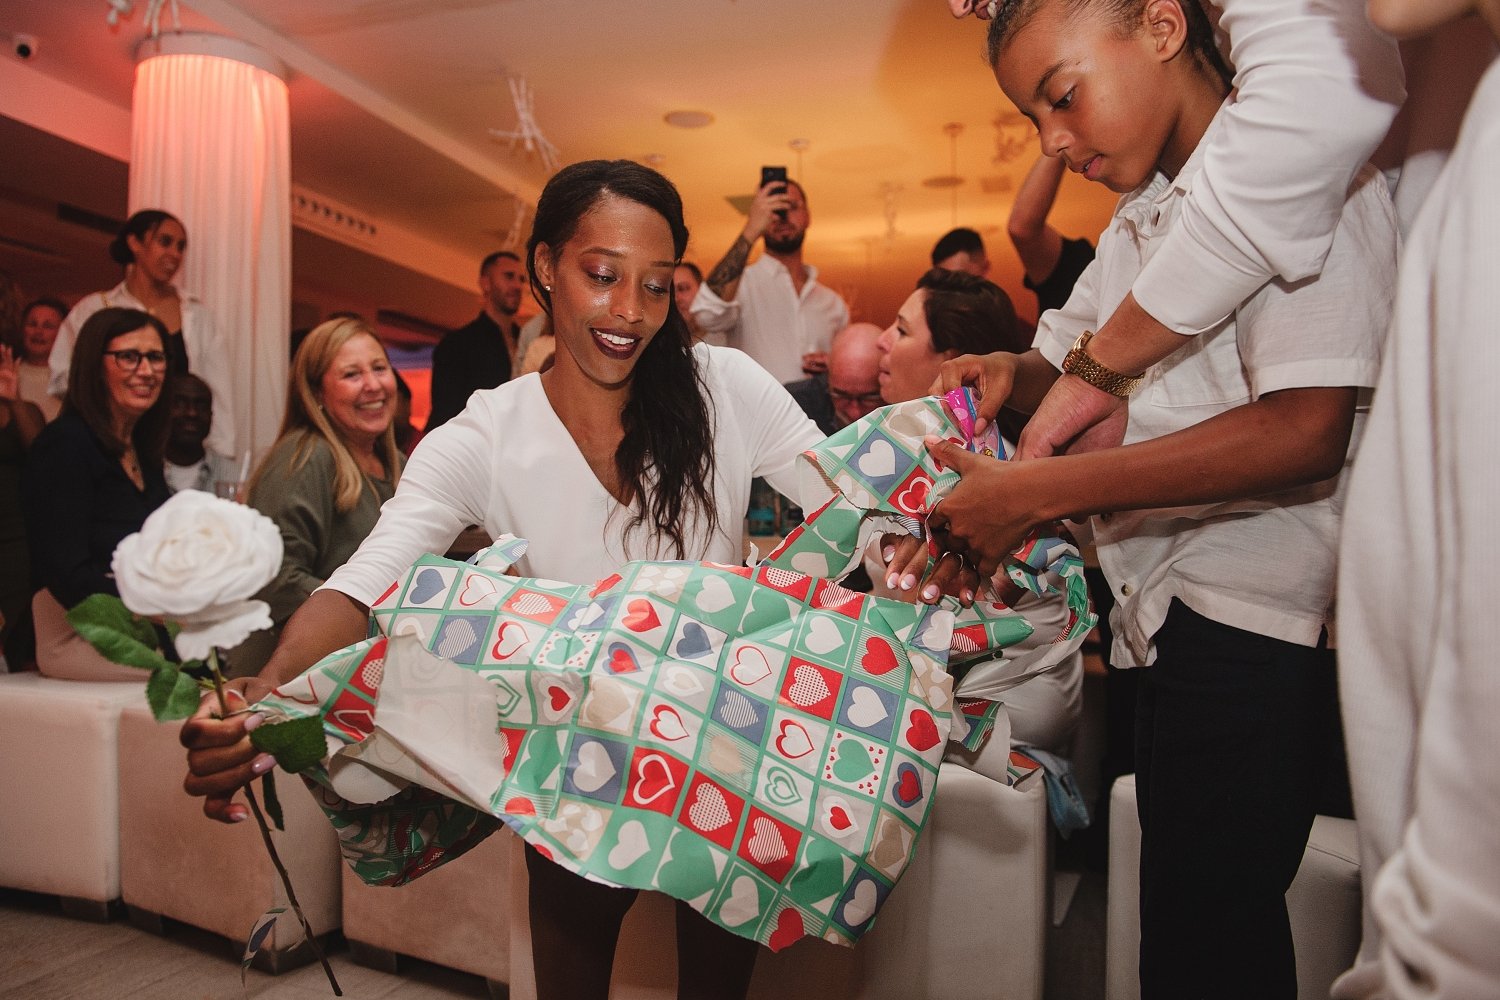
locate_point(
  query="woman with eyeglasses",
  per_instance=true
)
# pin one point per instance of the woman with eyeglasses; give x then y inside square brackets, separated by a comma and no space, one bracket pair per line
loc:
[332,467]
[92,477]
[151,247]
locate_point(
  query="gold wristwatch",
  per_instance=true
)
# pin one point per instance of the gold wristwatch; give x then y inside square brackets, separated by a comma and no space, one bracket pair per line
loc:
[1077,362]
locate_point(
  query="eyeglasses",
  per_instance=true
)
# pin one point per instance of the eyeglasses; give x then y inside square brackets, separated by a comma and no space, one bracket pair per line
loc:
[862,398]
[130,359]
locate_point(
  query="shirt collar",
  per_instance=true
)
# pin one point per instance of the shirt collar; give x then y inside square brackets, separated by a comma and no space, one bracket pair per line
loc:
[811,269]
[1146,206]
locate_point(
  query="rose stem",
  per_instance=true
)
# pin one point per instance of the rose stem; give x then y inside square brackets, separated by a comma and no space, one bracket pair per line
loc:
[265,835]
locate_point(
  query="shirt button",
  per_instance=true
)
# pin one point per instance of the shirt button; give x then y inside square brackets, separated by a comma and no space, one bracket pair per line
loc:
[1126,590]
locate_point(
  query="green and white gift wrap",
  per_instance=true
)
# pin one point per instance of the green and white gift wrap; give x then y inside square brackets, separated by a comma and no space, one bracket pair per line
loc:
[757,741]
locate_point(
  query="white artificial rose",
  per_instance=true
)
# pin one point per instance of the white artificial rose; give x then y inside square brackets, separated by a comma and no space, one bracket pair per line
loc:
[197,561]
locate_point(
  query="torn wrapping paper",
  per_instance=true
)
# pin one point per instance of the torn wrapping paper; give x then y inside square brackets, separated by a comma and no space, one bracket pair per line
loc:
[757,741]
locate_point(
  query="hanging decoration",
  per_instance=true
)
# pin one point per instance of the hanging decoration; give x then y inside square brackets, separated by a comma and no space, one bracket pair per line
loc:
[123,8]
[527,133]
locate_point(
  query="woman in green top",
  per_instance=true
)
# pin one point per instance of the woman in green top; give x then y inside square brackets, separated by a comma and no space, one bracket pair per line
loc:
[333,465]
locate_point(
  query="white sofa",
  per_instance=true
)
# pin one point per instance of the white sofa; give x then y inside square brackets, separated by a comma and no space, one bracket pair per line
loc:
[59,801]
[1323,903]
[968,919]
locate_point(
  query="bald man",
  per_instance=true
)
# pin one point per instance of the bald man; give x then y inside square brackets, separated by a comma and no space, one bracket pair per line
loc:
[850,388]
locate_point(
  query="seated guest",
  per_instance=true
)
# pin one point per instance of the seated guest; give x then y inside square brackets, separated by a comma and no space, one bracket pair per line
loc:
[950,313]
[953,313]
[333,465]
[848,390]
[91,478]
[20,423]
[961,250]
[190,415]
[39,325]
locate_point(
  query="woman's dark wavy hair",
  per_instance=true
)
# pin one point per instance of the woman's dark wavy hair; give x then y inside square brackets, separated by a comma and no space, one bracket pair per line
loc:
[140,225]
[1013,15]
[668,439]
[89,398]
[967,314]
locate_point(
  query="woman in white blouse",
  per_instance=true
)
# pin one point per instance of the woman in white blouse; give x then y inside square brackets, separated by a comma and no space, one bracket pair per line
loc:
[634,444]
[151,246]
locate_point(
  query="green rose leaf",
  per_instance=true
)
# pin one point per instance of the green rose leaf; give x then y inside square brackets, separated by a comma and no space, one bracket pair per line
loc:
[171,693]
[297,744]
[121,637]
[108,611]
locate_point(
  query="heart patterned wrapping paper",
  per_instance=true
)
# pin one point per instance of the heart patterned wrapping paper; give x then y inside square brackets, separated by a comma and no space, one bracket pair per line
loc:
[757,741]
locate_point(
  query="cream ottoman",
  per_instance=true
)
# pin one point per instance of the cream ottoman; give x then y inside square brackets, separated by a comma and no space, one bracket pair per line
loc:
[456,915]
[60,818]
[1323,902]
[177,863]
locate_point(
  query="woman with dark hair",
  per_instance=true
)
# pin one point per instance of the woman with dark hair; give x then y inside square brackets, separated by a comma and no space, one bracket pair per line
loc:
[953,313]
[150,246]
[634,444]
[332,466]
[91,478]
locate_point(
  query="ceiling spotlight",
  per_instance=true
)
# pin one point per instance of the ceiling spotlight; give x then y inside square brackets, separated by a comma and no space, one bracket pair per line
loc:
[688,119]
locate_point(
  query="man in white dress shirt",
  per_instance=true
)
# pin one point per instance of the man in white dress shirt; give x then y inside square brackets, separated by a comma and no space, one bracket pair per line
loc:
[774,310]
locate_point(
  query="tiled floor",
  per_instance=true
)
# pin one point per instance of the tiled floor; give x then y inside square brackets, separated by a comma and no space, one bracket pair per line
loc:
[47,956]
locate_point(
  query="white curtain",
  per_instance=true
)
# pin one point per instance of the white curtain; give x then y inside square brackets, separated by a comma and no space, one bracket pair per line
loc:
[209,144]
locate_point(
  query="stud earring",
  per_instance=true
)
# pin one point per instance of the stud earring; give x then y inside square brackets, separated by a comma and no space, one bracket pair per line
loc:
[547,288]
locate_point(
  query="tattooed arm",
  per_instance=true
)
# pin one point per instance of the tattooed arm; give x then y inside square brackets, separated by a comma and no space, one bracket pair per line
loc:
[725,277]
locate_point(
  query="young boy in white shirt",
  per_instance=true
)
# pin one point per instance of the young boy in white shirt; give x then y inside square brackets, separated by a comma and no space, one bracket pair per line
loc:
[1218,517]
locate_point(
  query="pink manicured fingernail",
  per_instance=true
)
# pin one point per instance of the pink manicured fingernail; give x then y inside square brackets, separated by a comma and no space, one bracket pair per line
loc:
[891,582]
[253,720]
[263,763]
[237,814]
[929,593]
[968,597]
[889,552]
[908,581]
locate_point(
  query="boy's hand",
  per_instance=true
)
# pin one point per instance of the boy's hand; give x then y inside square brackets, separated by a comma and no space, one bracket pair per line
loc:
[985,516]
[992,375]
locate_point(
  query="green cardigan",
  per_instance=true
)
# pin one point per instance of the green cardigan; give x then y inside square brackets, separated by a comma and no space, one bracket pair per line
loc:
[316,539]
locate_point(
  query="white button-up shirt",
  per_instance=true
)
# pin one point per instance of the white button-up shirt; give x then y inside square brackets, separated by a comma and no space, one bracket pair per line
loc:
[1264,564]
[770,321]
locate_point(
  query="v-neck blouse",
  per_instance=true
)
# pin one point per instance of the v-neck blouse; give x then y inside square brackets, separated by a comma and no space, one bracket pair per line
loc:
[508,464]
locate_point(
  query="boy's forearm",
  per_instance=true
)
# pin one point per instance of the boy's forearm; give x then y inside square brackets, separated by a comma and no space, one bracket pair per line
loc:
[1284,440]
[1132,340]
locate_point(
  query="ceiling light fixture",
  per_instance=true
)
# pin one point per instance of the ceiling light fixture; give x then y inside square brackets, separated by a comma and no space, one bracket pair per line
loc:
[799,146]
[122,8]
[1013,135]
[951,181]
[688,119]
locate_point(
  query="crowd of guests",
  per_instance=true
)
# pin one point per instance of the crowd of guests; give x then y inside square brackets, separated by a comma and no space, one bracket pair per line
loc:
[1247,334]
